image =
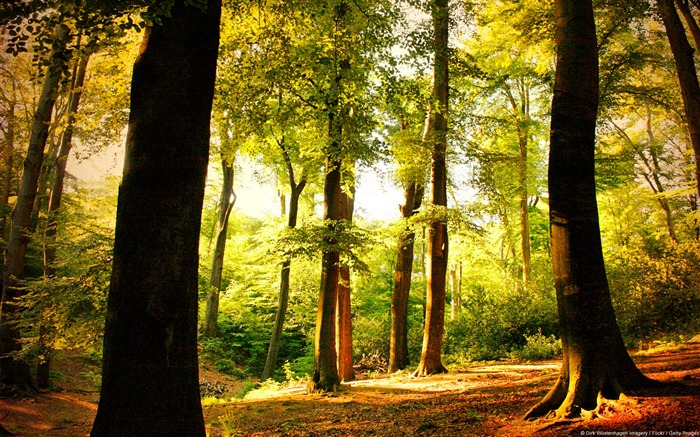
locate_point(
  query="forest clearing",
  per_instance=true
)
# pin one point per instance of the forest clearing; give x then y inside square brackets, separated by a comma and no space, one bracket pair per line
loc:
[484,400]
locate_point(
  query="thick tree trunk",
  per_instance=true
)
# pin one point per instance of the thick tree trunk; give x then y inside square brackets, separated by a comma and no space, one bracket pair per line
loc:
[595,359]
[325,375]
[436,136]
[343,326]
[398,343]
[687,75]
[283,301]
[226,202]
[150,380]
[14,372]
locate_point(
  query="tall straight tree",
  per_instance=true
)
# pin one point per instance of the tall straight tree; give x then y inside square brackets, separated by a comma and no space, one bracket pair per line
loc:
[687,75]
[15,372]
[343,318]
[398,343]
[77,82]
[150,371]
[596,364]
[436,136]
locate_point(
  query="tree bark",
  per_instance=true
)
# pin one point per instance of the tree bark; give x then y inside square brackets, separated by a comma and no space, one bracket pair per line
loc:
[13,372]
[436,137]
[343,327]
[44,365]
[150,372]
[8,154]
[690,21]
[226,202]
[687,75]
[325,375]
[595,361]
[398,343]
[283,300]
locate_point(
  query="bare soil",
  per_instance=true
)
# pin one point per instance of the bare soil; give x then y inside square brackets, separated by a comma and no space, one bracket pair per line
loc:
[477,401]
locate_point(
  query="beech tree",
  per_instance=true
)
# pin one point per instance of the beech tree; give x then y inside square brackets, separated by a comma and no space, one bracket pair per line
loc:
[687,73]
[150,372]
[596,364]
[12,371]
[436,136]
[343,324]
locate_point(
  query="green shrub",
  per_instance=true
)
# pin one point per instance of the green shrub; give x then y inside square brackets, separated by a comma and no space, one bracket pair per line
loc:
[538,347]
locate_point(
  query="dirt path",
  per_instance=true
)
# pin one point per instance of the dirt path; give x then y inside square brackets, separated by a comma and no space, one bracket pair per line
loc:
[478,401]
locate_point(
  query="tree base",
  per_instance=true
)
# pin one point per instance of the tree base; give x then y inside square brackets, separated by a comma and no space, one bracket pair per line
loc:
[588,398]
[427,370]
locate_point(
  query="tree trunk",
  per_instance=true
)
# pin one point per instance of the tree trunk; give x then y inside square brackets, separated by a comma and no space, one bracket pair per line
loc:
[343,327]
[325,375]
[226,202]
[398,344]
[14,372]
[78,79]
[690,20]
[150,372]
[595,359]
[8,153]
[436,137]
[687,75]
[524,214]
[283,301]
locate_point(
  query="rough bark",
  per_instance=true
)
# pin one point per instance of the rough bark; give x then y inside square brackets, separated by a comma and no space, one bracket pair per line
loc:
[436,137]
[14,372]
[687,75]
[226,202]
[343,326]
[596,364]
[283,300]
[150,371]
[398,343]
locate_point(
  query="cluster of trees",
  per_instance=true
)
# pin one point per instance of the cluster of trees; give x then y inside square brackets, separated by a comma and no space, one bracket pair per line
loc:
[460,97]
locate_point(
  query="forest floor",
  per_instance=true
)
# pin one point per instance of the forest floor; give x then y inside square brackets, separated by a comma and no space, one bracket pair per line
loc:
[483,400]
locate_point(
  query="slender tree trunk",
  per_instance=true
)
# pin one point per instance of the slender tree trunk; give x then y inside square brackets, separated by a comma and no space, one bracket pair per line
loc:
[13,372]
[44,365]
[687,75]
[150,378]
[436,136]
[343,326]
[283,301]
[595,361]
[398,344]
[524,214]
[226,202]
[8,153]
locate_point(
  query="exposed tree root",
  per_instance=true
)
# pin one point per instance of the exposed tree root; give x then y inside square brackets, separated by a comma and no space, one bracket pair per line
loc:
[424,370]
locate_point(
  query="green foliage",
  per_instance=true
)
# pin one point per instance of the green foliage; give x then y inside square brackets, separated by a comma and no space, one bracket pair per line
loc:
[538,347]
[70,306]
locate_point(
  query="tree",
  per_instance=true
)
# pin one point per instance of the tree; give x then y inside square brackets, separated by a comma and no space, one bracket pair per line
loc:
[150,374]
[436,135]
[343,320]
[226,202]
[687,75]
[77,82]
[596,363]
[13,372]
